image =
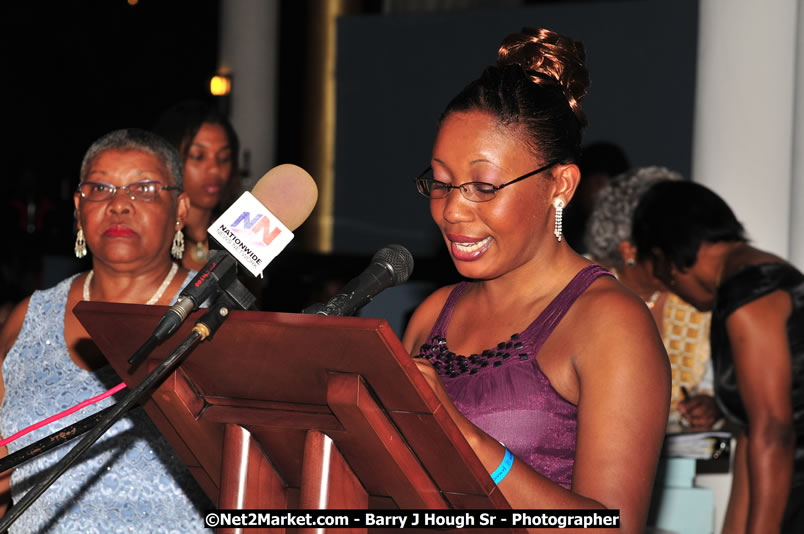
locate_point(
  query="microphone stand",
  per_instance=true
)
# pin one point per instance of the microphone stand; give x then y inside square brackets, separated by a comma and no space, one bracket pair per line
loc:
[53,440]
[233,297]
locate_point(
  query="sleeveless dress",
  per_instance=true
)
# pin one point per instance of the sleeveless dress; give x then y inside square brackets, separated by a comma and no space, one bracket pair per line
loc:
[503,390]
[754,282]
[130,480]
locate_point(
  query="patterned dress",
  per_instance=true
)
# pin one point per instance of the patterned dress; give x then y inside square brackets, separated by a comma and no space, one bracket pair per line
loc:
[686,338]
[130,480]
[503,390]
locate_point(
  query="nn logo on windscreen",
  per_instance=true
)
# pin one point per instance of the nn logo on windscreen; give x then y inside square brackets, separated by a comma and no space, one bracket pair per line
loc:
[251,233]
[259,225]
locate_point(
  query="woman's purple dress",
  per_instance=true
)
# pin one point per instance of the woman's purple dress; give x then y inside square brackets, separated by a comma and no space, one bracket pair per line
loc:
[503,390]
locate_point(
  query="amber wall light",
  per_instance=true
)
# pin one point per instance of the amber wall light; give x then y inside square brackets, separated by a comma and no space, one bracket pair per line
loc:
[220,85]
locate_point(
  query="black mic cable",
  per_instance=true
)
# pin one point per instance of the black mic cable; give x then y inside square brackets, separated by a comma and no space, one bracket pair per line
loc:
[219,272]
[234,298]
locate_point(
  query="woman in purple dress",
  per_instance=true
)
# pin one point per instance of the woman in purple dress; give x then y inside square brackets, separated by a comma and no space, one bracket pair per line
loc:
[553,371]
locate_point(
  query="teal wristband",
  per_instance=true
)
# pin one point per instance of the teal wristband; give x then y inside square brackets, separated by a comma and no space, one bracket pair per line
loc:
[505,466]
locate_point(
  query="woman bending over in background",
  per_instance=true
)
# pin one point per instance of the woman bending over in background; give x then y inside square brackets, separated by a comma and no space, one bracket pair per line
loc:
[698,248]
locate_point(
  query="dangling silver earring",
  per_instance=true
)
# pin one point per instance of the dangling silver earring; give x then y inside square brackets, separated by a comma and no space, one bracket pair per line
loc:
[630,262]
[80,245]
[177,249]
[559,205]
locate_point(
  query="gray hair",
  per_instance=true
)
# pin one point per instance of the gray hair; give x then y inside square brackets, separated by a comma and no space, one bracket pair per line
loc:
[610,221]
[135,139]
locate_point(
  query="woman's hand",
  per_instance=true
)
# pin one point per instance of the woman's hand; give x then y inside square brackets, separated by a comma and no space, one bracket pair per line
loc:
[700,411]
[468,430]
[430,374]
[619,436]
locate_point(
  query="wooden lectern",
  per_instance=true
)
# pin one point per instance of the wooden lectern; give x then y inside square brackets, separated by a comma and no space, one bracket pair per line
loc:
[292,411]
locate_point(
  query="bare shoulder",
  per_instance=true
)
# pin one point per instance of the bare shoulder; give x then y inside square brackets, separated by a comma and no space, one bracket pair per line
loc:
[11,328]
[424,317]
[618,327]
[764,314]
[623,397]
[609,295]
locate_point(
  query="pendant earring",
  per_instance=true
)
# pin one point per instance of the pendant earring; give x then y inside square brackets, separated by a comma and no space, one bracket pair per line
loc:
[630,262]
[177,248]
[80,245]
[559,205]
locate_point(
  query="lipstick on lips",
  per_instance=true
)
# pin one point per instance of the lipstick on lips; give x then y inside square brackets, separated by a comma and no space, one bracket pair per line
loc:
[119,230]
[466,248]
[212,189]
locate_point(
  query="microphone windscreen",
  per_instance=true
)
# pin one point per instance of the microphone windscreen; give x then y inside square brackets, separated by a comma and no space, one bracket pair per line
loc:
[399,259]
[289,192]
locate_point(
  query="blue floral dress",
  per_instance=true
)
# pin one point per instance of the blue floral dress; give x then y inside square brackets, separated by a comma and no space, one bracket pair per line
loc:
[130,480]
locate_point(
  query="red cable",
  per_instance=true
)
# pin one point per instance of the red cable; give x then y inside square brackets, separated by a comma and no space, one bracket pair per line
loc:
[65,413]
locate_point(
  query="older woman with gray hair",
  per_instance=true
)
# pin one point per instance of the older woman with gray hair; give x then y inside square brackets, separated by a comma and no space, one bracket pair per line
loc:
[130,211]
[684,330]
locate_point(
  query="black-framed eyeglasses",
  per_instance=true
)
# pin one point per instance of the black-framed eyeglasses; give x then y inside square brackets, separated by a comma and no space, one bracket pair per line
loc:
[474,191]
[144,190]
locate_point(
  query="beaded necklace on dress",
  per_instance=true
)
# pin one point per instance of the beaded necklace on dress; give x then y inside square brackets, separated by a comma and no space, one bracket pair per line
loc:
[159,292]
[520,347]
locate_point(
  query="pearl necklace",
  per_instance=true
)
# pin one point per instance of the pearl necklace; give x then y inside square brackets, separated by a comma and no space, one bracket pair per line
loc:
[159,292]
[650,302]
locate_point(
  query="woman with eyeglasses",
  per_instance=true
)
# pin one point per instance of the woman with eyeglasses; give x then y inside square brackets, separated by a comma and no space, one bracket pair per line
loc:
[553,371]
[130,207]
[701,253]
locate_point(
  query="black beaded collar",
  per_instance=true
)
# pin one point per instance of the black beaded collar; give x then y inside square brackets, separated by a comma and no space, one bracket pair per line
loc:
[449,364]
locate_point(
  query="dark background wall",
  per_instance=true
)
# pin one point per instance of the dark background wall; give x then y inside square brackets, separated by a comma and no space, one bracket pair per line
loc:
[396,73]
[77,70]
[73,71]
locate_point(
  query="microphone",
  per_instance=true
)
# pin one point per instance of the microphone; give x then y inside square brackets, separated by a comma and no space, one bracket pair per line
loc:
[390,266]
[254,230]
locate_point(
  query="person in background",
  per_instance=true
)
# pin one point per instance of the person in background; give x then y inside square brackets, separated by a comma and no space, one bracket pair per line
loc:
[685,330]
[130,207]
[599,163]
[209,148]
[552,370]
[698,248]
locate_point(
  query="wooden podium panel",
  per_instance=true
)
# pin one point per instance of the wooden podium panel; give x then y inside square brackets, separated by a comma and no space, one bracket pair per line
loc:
[270,391]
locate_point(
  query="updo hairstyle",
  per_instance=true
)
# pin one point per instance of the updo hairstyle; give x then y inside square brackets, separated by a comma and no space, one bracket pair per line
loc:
[538,83]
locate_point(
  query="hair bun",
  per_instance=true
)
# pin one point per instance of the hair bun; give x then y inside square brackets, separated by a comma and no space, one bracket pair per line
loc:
[549,57]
